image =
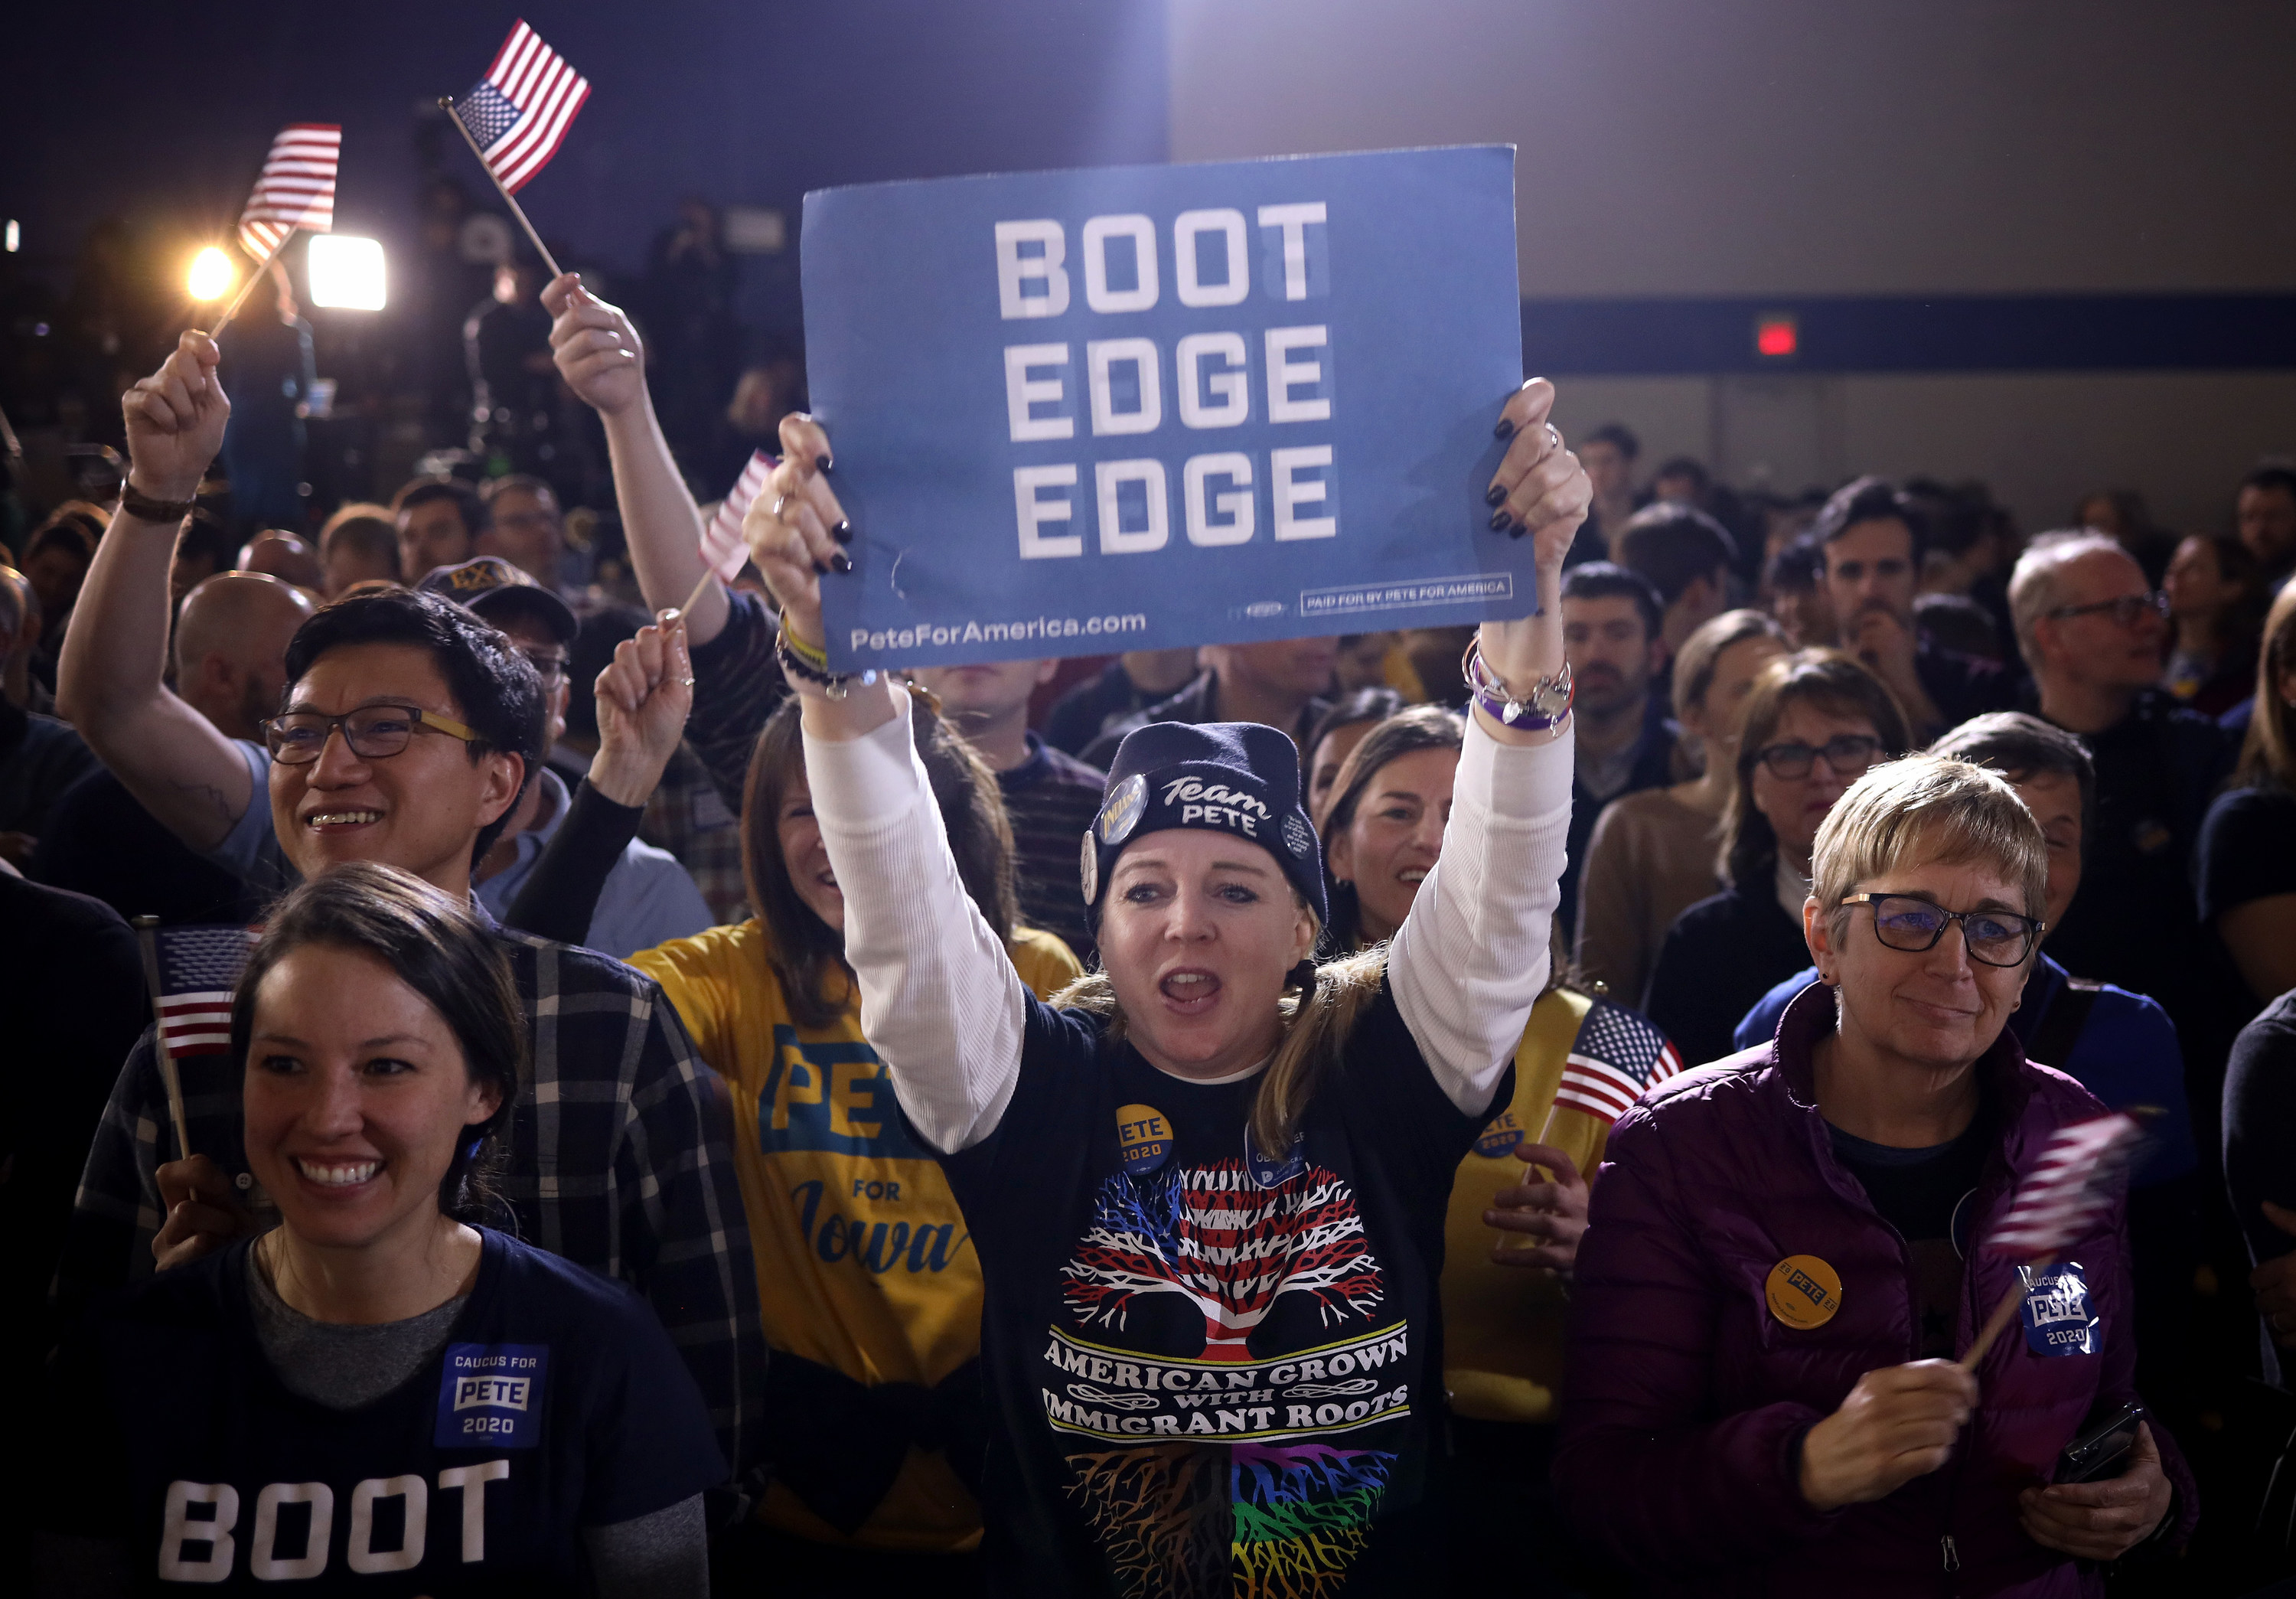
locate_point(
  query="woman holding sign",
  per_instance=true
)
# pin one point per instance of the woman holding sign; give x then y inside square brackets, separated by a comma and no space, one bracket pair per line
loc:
[1774,1364]
[376,1388]
[1208,1193]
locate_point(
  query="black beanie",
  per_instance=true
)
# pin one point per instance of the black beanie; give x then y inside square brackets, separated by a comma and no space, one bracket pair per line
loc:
[1235,777]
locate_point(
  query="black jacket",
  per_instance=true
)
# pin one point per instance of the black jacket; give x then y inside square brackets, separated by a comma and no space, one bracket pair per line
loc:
[1720,956]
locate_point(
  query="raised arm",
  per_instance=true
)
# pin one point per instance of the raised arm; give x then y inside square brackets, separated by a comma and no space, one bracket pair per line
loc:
[939,999]
[1470,960]
[600,355]
[643,695]
[109,681]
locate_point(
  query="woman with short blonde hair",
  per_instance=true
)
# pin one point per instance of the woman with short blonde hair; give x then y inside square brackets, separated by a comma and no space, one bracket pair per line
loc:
[1774,1234]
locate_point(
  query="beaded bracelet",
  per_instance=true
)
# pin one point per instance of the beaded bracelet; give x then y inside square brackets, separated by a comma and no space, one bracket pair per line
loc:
[835,684]
[1538,712]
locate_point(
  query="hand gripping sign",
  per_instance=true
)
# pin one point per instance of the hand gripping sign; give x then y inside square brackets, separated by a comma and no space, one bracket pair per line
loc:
[1139,407]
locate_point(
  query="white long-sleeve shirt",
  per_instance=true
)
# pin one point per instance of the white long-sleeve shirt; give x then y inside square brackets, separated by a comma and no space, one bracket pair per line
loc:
[944,1007]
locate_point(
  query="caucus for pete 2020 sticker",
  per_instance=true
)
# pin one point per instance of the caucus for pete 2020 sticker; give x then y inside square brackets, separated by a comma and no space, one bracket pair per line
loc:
[1143,1137]
[1274,1173]
[490,1396]
[2058,1316]
[1804,1291]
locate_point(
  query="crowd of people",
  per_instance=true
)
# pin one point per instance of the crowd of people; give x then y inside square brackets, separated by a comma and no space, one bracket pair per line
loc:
[696,1110]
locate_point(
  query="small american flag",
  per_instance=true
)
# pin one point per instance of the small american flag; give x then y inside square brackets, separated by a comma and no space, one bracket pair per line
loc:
[723,550]
[2069,1185]
[199,966]
[519,112]
[1616,1059]
[295,189]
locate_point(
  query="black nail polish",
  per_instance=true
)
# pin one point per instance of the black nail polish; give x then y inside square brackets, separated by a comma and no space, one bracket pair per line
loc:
[843,532]
[1499,519]
[1494,495]
[1517,531]
[1506,430]
[820,570]
[821,462]
[840,561]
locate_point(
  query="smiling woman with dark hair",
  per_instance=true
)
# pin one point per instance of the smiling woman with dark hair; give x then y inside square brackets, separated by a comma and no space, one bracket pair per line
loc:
[310,1389]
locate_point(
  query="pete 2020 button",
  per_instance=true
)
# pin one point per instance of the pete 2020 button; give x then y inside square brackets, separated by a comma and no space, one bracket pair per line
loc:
[1143,1137]
[1500,1136]
[1804,1291]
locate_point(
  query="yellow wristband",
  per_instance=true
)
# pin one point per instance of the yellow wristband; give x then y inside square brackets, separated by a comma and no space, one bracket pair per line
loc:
[814,655]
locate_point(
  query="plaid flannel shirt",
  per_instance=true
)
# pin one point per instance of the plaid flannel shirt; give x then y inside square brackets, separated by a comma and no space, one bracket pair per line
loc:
[690,818]
[620,1160]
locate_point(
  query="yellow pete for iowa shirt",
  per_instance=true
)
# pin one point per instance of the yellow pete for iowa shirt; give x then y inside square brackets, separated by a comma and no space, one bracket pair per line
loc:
[1502,1324]
[864,1264]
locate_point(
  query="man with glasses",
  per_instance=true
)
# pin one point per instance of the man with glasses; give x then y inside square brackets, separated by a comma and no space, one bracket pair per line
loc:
[648,897]
[410,731]
[2092,630]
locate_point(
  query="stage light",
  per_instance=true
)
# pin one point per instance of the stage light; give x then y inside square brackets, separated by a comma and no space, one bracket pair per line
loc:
[212,274]
[1776,335]
[346,273]
[15,236]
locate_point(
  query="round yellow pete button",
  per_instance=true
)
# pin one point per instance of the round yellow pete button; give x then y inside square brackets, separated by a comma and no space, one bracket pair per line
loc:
[1804,1291]
[1144,1136]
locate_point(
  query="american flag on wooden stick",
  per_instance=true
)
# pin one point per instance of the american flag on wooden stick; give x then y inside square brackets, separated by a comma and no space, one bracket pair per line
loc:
[519,112]
[2068,1187]
[1614,1061]
[295,189]
[723,550]
[199,966]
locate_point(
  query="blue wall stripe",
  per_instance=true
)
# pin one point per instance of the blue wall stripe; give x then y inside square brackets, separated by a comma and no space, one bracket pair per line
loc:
[2035,332]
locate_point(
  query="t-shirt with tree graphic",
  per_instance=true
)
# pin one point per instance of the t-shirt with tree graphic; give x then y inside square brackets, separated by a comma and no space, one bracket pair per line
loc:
[1217,1369]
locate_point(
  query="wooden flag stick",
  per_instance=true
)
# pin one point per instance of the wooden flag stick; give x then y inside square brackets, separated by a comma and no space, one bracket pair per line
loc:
[147,930]
[1995,1325]
[447,104]
[700,588]
[262,270]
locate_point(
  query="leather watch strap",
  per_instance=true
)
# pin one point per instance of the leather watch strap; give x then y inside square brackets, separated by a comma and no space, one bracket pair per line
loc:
[143,507]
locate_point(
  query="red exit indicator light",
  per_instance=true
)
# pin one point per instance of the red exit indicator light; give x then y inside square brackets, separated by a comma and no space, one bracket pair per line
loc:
[1775,334]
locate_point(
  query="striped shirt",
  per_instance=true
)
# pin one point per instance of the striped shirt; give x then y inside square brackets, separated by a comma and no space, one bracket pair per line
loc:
[1051,799]
[620,1160]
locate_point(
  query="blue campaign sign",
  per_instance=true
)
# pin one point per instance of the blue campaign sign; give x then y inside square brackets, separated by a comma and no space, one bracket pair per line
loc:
[1137,408]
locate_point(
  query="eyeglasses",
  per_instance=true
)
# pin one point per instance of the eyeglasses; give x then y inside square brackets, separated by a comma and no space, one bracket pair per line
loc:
[1851,752]
[549,664]
[2124,610]
[374,732]
[1913,924]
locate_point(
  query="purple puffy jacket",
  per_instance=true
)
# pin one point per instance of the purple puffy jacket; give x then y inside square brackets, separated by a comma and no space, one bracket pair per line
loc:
[1687,1400]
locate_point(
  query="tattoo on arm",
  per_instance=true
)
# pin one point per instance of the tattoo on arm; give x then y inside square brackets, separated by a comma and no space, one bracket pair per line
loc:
[210,795]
